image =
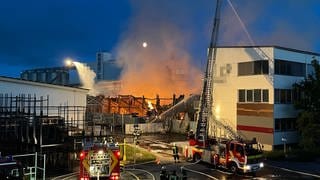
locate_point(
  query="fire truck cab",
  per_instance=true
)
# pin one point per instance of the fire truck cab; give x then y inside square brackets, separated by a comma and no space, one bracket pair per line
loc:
[10,168]
[236,156]
[100,159]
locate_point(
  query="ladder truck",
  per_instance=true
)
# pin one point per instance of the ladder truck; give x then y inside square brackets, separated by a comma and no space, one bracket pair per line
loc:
[100,159]
[232,154]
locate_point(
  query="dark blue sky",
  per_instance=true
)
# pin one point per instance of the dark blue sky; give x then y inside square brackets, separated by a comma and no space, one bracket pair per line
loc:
[41,33]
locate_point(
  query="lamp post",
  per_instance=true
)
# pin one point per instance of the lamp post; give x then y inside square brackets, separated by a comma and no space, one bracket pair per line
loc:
[284,140]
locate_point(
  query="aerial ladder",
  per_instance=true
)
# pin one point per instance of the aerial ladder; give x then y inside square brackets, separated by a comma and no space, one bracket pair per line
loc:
[206,99]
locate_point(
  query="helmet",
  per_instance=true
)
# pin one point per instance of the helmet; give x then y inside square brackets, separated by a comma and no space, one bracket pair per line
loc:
[174,144]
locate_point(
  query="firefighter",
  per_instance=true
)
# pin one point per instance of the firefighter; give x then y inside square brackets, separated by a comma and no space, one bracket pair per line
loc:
[163,173]
[175,153]
[174,176]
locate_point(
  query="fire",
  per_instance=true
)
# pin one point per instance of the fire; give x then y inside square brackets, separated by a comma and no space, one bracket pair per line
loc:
[150,105]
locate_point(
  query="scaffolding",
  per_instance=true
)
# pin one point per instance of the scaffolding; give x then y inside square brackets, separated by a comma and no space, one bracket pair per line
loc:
[30,124]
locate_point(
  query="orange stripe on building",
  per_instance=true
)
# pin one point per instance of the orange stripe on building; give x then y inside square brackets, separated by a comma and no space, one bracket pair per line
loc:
[255,129]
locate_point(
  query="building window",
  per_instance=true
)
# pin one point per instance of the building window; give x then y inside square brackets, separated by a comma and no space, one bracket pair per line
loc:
[277,126]
[283,96]
[242,95]
[265,95]
[296,95]
[253,68]
[277,96]
[289,68]
[310,69]
[285,124]
[250,95]
[257,95]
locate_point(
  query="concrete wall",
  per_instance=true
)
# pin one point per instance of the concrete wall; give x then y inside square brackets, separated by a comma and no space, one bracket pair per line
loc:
[176,127]
[146,128]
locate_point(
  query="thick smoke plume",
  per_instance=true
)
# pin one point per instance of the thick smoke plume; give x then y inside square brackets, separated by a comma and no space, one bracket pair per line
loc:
[164,67]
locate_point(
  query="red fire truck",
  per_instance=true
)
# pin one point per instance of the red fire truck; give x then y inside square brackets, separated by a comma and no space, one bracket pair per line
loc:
[245,157]
[100,159]
[10,168]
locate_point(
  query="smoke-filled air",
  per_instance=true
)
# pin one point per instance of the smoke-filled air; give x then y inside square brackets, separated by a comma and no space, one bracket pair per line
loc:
[154,58]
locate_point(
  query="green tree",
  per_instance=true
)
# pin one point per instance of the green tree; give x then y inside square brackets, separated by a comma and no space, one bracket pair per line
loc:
[308,104]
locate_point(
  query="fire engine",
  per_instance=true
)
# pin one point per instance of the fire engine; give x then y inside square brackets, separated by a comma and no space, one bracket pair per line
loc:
[10,168]
[232,153]
[100,159]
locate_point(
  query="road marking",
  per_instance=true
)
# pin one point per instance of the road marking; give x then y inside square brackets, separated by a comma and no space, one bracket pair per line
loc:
[198,172]
[299,172]
[132,174]
[224,172]
[153,178]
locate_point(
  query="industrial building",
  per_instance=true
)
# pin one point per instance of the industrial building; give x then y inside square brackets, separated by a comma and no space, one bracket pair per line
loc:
[105,67]
[40,117]
[55,75]
[253,91]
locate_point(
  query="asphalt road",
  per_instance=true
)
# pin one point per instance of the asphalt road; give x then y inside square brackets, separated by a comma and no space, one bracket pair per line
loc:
[160,144]
[203,171]
[194,171]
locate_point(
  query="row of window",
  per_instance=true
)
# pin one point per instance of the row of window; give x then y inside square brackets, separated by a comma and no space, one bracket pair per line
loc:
[253,68]
[286,96]
[281,96]
[289,68]
[253,95]
[285,124]
[281,67]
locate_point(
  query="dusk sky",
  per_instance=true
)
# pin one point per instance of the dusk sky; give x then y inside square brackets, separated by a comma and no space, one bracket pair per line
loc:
[41,33]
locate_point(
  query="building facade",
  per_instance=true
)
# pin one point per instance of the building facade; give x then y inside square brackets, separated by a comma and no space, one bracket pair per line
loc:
[253,91]
[64,102]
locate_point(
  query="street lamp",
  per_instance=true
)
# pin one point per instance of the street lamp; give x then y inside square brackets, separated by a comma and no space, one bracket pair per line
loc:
[284,140]
[68,62]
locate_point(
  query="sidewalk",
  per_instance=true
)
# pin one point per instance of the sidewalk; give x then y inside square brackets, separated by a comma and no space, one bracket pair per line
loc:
[305,167]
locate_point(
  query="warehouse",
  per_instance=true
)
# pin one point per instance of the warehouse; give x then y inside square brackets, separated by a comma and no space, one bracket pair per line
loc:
[35,115]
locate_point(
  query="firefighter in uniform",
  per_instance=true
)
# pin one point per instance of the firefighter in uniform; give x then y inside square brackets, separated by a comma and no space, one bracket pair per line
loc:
[175,153]
[163,173]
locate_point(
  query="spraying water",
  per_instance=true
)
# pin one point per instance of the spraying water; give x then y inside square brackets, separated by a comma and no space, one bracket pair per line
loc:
[86,76]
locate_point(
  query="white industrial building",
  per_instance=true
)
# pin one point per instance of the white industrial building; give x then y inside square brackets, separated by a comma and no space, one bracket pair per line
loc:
[65,101]
[253,91]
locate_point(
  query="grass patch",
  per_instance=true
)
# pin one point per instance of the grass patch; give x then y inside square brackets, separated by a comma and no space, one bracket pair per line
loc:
[140,154]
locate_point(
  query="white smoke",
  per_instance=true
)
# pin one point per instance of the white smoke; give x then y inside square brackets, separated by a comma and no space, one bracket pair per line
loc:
[87,77]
